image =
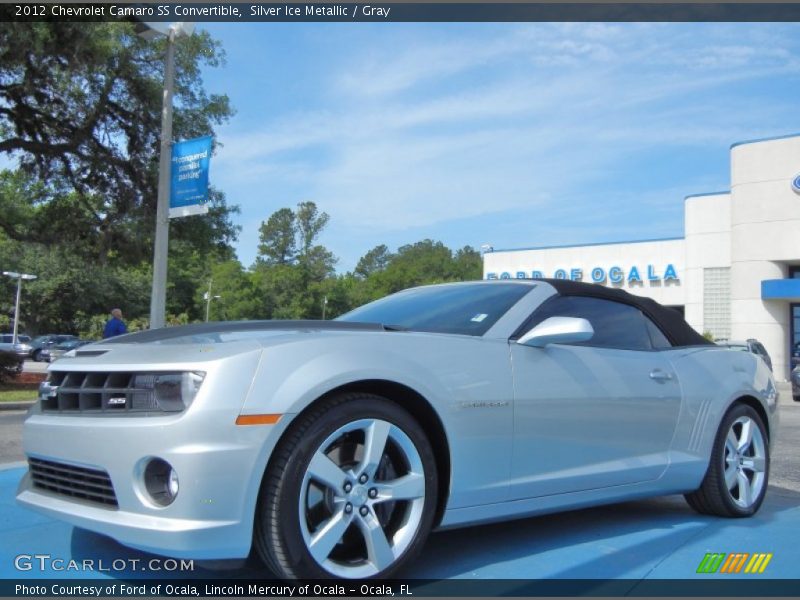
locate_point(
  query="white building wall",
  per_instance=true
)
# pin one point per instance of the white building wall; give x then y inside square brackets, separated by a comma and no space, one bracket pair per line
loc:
[707,223]
[765,240]
[737,239]
[657,254]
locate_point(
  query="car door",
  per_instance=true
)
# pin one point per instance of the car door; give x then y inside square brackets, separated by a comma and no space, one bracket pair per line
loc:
[593,414]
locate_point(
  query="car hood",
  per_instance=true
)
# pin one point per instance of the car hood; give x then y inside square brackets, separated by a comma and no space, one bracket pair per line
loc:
[186,346]
[234,330]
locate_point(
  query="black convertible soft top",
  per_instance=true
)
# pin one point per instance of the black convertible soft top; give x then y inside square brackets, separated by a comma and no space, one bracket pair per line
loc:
[670,321]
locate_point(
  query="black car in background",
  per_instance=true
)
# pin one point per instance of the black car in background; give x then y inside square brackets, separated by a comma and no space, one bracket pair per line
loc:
[48,341]
[795,377]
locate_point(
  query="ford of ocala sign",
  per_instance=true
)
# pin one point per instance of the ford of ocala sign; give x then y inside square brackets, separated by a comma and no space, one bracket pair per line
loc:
[613,274]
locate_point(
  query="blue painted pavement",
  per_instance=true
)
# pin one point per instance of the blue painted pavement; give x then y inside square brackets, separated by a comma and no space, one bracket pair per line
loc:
[653,539]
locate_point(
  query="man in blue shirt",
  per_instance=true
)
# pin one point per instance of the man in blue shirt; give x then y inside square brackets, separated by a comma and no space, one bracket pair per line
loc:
[115,325]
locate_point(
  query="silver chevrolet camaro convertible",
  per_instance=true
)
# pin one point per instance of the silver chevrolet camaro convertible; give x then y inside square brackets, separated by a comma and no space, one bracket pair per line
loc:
[334,448]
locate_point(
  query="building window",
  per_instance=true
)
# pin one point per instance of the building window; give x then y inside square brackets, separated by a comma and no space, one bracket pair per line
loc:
[717,302]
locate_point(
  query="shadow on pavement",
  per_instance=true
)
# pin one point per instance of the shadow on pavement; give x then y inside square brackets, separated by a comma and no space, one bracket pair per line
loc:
[622,541]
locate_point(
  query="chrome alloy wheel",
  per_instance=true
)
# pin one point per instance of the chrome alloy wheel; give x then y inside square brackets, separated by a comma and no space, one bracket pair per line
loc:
[361,498]
[744,462]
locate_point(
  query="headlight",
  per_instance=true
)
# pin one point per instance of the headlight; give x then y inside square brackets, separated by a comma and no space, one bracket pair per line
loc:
[171,392]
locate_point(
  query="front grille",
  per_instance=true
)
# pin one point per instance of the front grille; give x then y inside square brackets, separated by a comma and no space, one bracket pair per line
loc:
[93,485]
[112,393]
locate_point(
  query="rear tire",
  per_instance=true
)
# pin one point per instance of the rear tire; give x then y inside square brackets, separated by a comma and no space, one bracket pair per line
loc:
[36,356]
[350,492]
[738,473]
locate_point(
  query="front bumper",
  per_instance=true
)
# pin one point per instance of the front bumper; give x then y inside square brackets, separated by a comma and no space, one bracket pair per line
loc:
[181,538]
[219,465]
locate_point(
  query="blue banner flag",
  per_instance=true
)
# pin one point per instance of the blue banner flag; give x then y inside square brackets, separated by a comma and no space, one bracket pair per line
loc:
[189,180]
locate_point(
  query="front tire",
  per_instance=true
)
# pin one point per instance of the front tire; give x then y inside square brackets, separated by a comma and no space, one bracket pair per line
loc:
[36,356]
[737,477]
[350,492]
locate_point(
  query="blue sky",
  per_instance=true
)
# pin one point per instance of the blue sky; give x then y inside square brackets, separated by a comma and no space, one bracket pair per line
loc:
[514,135]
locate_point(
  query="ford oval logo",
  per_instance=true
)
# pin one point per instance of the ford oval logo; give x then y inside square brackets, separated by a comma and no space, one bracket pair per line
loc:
[796,184]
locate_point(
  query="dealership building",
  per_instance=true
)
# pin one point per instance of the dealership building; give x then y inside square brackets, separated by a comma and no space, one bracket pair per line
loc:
[736,271]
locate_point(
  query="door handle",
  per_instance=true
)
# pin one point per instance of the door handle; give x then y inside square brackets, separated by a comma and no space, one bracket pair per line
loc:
[659,375]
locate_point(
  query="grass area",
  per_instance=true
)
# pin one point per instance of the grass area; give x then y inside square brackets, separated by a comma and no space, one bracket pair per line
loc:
[19,392]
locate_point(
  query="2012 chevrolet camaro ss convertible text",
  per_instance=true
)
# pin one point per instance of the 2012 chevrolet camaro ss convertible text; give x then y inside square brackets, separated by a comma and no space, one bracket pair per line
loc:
[335,447]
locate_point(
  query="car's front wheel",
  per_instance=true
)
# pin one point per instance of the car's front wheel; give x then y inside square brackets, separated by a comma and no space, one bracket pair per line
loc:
[350,492]
[737,477]
[36,356]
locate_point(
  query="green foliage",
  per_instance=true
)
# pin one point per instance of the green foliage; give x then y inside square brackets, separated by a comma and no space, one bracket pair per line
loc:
[238,298]
[419,264]
[81,116]
[81,120]
[9,365]
[90,327]
[80,109]
[373,261]
[277,235]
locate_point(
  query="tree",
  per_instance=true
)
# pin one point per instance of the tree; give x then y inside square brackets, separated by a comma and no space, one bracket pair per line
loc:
[277,245]
[468,264]
[80,116]
[380,272]
[291,266]
[80,107]
[373,261]
[310,223]
[236,290]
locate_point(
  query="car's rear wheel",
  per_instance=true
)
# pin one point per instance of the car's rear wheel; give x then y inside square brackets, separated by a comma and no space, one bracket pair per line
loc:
[350,492]
[37,355]
[737,477]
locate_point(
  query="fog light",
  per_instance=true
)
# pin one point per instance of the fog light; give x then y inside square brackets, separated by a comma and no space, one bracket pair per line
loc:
[161,482]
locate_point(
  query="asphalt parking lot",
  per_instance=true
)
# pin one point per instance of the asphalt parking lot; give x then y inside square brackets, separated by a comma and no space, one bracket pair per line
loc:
[636,541]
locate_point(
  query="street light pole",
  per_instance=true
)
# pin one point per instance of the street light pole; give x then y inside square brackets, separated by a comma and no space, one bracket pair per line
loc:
[208,298]
[158,299]
[19,277]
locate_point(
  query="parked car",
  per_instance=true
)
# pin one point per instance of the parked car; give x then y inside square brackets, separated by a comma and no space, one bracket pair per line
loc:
[796,355]
[334,447]
[751,345]
[51,353]
[796,384]
[47,341]
[22,348]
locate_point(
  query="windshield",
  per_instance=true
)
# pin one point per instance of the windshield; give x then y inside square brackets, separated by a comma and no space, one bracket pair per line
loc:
[466,309]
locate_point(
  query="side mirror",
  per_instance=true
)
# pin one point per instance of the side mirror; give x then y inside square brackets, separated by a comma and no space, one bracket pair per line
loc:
[558,330]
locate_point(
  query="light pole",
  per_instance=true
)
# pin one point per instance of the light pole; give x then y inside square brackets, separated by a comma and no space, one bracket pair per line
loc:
[208,298]
[324,306]
[158,297]
[19,277]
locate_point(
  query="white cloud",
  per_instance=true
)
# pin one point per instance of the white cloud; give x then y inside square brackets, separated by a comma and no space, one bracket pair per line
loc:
[509,118]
